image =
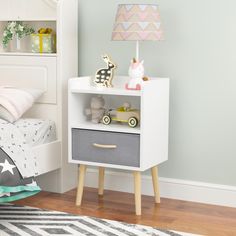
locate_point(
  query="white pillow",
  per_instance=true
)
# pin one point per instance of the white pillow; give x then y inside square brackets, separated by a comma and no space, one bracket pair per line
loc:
[36,93]
[6,115]
[15,102]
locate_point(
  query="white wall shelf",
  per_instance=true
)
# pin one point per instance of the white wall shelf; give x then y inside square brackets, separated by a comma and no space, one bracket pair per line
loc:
[28,54]
[25,42]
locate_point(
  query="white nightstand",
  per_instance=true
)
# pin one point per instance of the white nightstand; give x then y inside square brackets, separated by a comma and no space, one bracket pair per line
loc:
[137,149]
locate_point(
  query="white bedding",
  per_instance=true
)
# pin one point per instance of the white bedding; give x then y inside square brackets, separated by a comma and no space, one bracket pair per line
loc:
[37,131]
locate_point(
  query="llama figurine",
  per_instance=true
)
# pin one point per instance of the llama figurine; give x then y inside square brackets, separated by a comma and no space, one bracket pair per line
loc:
[104,76]
[136,74]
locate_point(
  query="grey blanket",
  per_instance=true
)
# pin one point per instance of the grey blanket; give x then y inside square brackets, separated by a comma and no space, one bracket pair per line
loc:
[18,166]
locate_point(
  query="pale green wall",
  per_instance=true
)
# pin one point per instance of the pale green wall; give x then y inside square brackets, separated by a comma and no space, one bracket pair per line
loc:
[199,55]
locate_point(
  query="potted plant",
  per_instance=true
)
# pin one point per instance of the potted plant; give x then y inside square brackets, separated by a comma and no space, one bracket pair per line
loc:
[15,30]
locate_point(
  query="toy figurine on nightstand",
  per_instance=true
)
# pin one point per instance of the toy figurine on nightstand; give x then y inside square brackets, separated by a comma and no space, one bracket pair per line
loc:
[104,76]
[96,110]
[136,74]
[124,114]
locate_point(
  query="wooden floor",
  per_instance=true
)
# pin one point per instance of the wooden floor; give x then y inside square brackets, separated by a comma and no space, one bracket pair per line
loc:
[170,214]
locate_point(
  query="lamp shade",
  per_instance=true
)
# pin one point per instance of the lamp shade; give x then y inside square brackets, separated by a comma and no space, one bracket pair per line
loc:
[139,22]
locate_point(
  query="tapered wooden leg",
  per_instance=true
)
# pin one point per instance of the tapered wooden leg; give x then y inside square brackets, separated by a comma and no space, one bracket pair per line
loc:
[137,192]
[101,181]
[155,184]
[80,188]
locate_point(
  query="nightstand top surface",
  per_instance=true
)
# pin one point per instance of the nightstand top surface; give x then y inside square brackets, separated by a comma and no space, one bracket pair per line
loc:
[85,85]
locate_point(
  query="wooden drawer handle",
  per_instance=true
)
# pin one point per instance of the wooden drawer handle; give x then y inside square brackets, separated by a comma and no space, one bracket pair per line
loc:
[104,146]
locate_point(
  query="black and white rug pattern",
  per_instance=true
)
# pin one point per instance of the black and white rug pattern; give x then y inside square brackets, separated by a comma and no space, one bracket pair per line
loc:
[25,221]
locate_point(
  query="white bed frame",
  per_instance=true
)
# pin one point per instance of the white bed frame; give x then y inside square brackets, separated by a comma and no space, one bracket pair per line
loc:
[49,72]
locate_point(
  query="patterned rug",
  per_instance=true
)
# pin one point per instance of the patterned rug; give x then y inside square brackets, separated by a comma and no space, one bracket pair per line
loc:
[22,221]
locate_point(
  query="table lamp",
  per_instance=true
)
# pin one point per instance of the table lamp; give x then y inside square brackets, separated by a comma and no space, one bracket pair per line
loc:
[137,22]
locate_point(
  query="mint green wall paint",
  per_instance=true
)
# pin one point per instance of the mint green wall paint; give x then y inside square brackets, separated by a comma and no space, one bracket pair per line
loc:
[199,55]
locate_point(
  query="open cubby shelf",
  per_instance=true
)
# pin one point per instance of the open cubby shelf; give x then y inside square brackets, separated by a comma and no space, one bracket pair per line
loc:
[81,100]
[26,41]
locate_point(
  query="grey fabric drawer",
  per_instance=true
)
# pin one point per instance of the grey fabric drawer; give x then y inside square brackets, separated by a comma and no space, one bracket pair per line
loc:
[127,151]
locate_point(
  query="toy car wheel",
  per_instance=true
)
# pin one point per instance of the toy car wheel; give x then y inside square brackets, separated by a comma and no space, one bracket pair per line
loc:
[106,120]
[133,122]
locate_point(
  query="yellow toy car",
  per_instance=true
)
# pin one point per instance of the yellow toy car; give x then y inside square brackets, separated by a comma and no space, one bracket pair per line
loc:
[122,114]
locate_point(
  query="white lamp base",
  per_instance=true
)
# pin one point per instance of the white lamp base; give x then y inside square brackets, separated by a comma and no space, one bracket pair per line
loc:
[137,50]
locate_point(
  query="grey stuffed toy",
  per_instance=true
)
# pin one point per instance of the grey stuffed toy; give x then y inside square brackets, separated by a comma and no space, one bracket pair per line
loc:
[96,110]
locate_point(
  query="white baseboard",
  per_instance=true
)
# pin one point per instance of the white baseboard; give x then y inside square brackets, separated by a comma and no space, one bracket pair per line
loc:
[169,188]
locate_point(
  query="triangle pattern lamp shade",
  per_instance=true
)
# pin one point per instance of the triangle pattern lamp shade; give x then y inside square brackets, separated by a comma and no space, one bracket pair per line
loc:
[137,22]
